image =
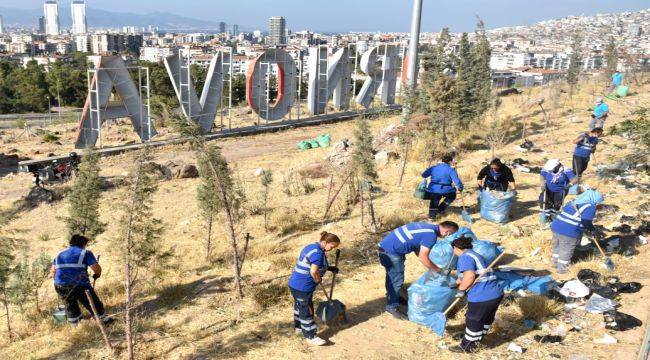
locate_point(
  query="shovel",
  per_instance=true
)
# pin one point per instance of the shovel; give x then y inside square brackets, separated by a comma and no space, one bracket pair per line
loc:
[438,321]
[464,214]
[543,218]
[332,310]
[607,261]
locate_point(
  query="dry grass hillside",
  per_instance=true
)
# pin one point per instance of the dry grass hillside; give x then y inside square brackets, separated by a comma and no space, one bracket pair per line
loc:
[190,312]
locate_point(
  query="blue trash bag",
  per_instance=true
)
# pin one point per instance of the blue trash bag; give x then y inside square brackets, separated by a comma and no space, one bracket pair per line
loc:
[430,294]
[487,249]
[442,253]
[511,281]
[495,205]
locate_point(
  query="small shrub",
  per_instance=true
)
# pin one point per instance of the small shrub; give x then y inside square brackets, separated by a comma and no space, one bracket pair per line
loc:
[289,222]
[269,295]
[362,252]
[44,237]
[295,185]
[538,307]
[48,137]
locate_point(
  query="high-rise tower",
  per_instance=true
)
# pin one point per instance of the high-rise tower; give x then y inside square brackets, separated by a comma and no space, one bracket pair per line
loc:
[51,9]
[79,24]
[277,31]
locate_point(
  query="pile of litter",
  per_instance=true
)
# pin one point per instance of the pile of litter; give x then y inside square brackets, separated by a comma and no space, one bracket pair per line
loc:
[323,141]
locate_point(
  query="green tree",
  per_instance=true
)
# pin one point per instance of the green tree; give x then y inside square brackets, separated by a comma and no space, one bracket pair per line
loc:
[7,248]
[363,159]
[83,211]
[466,89]
[266,178]
[139,237]
[27,280]
[231,197]
[481,73]
[30,88]
[611,57]
[67,81]
[209,203]
[573,73]
[238,89]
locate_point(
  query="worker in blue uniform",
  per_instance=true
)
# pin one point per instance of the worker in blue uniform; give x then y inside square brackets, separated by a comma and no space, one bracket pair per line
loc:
[569,225]
[443,185]
[70,272]
[586,144]
[617,80]
[417,237]
[555,183]
[599,115]
[307,274]
[483,297]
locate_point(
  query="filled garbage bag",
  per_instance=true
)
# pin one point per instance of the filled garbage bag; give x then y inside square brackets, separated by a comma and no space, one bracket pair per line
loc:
[304,145]
[324,140]
[430,294]
[487,249]
[622,91]
[442,254]
[421,190]
[495,205]
[512,281]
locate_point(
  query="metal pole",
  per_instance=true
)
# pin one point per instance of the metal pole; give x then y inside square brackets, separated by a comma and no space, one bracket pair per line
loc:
[412,75]
[49,109]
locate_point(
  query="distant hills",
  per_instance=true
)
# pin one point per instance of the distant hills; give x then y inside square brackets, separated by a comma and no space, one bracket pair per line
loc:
[98,18]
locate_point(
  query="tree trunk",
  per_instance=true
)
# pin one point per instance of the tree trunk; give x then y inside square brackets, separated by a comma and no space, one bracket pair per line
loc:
[329,205]
[266,209]
[361,199]
[129,297]
[208,241]
[371,210]
[6,305]
[401,172]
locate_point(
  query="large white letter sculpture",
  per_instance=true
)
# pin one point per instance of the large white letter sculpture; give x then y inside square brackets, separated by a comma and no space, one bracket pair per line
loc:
[257,84]
[112,72]
[329,79]
[380,66]
[202,111]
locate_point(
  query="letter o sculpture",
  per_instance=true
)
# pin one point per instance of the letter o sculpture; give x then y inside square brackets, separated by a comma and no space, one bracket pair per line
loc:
[256,85]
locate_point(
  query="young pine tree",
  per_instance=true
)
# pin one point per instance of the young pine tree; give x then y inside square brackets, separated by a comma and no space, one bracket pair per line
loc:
[481,74]
[465,87]
[209,203]
[83,212]
[611,57]
[7,248]
[139,238]
[363,163]
[266,178]
[573,73]
[27,280]
[230,196]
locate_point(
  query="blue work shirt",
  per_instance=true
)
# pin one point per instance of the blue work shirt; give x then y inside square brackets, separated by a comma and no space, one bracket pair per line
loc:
[409,238]
[585,147]
[561,184]
[617,79]
[442,178]
[71,266]
[574,220]
[601,110]
[486,288]
[301,278]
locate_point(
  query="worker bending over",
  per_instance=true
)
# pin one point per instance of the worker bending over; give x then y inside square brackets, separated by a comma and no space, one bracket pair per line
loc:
[307,274]
[483,298]
[443,186]
[496,176]
[555,183]
[71,281]
[568,226]
[585,146]
[417,237]
[598,117]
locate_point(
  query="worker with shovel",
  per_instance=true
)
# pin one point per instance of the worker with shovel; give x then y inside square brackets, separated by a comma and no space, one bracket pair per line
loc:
[496,176]
[585,146]
[71,281]
[307,274]
[417,237]
[555,183]
[443,186]
[483,296]
[569,225]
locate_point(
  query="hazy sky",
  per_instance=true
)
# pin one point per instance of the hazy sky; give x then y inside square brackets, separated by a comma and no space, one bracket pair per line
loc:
[362,15]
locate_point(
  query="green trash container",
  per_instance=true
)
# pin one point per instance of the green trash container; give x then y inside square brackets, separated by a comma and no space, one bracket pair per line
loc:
[304,145]
[313,143]
[622,91]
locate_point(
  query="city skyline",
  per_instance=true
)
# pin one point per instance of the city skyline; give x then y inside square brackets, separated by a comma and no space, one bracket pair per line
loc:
[378,15]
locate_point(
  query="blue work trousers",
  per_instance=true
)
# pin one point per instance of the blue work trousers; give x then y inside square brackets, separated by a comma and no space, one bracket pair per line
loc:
[303,312]
[438,203]
[394,265]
